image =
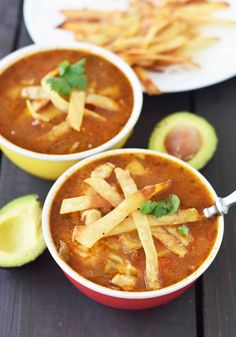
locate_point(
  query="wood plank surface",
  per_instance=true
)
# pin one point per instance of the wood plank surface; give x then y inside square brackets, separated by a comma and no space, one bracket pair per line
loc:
[218,104]
[38,301]
[9,21]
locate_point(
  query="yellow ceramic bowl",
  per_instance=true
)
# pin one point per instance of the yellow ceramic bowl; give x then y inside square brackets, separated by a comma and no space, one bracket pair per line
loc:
[49,166]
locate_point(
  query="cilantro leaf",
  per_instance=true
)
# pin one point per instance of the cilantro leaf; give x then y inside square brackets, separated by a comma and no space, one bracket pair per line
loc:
[70,77]
[59,85]
[160,210]
[183,230]
[174,203]
[78,67]
[147,207]
[161,207]
[76,81]
[63,66]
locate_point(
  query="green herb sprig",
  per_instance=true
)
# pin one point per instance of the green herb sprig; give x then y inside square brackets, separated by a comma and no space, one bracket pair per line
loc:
[71,76]
[183,230]
[162,207]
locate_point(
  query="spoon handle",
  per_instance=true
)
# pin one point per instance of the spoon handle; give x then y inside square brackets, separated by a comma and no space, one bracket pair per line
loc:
[221,206]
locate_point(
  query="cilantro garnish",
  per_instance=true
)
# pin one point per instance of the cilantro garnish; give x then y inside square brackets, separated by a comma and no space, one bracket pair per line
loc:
[162,207]
[183,230]
[147,207]
[71,76]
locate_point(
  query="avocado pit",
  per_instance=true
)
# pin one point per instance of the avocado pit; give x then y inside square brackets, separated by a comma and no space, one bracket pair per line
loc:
[183,141]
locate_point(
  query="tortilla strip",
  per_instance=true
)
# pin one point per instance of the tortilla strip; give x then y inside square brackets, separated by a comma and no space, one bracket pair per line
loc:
[102,187]
[102,102]
[135,167]
[112,91]
[95,115]
[34,113]
[82,203]
[39,104]
[144,231]
[149,85]
[59,102]
[179,218]
[56,132]
[76,109]
[84,13]
[185,239]
[103,171]
[130,242]
[169,241]
[89,235]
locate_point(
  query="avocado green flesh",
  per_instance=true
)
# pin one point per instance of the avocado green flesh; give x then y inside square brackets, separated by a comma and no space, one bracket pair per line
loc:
[205,129]
[21,237]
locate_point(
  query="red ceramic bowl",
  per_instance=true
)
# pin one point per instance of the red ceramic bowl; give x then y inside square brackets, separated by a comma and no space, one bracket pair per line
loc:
[125,299]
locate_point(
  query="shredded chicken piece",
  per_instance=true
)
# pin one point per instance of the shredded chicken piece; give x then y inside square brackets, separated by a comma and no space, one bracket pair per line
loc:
[116,264]
[130,242]
[64,251]
[103,171]
[90,215]
[91,256]
[125,282]
[34,92]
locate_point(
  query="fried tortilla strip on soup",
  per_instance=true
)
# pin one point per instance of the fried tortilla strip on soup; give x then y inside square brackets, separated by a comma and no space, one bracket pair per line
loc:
[169,241]
[102,187]
[129,187]
[180,217]
[82,203]
[89,235]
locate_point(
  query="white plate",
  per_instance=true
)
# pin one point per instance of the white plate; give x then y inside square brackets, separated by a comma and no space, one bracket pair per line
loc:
[217,63]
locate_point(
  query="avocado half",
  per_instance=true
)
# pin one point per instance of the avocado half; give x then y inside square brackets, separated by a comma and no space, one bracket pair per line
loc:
[205,129]
[21,237]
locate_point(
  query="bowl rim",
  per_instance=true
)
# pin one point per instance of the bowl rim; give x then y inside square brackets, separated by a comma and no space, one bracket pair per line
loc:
[21,53]
[116,293]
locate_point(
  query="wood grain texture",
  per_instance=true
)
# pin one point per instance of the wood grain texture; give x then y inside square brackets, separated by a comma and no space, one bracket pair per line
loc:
[9,19]
[218,104]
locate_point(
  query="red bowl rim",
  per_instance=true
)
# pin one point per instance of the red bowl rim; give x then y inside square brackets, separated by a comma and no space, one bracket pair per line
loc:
[116,293]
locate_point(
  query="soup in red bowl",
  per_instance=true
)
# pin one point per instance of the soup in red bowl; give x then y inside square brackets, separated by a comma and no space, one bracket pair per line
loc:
[127,227]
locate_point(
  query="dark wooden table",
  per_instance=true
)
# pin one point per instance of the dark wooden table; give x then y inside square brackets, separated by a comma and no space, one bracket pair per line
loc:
[37,300]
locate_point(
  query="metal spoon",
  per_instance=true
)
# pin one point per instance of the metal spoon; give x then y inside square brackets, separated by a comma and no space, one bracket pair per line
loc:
[221,206]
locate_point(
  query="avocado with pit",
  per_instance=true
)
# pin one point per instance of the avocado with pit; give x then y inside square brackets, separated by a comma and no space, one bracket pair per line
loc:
[186,136]
[21,237]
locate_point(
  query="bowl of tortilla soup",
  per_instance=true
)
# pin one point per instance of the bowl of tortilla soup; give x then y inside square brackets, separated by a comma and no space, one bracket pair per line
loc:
[60,104]
[127,227]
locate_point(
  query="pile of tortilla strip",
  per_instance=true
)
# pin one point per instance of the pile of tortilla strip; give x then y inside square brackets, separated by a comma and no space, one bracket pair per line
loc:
[149,35]
[105,213]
